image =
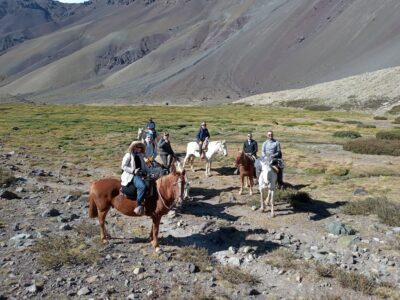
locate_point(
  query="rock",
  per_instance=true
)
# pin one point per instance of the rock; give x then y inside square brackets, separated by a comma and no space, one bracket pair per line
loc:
[254,208]
[360,191]
[70,198]
[299,278]
[232,250]
[138,270]
[84,291]
[339,228]
[247,249]
[250,257]
[193,268]
[65,227]
[52,212]
[20,189]
[32,289]
[307,255]
[234,261]
[278,236]
[20,237]
[91,279]
[347,241]
[9,195]
[171,214]
[396,230]
[254,292]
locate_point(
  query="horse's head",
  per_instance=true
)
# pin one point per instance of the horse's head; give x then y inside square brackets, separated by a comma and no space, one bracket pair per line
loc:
[140,133]
[222,148]
[177,172]
[239,158]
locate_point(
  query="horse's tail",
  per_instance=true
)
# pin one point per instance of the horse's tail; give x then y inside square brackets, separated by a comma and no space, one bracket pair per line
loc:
[93,213]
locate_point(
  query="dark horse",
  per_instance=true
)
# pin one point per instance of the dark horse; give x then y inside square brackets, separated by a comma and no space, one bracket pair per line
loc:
[246,169]
[169,191]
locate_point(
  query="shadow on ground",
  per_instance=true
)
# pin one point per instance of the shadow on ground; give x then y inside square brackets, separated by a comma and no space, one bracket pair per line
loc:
[223,238]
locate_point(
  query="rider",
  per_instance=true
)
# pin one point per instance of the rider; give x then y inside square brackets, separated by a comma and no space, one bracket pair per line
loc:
[151,149]
[165,150]
[202,138]
[151,126]
[134,170]
[271,149]
[250,147]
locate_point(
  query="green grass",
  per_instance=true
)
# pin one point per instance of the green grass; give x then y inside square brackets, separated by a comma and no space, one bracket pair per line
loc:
[347,134]
[389,135]
[374,146]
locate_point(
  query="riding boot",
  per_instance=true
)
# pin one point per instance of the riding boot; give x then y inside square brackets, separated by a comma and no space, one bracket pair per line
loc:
[139,210]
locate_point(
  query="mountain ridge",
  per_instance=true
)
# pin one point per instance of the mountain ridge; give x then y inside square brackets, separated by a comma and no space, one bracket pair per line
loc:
[199,52]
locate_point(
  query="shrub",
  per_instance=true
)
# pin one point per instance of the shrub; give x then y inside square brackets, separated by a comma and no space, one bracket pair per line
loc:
[394,110]
[6,178]
[388,212]
[317,107]
[56,251]
[235,275]
[388,135]
[331,120]
[374,146]
[347,134]
[337,170]
[292,196]
[366,126]
[380,118]
[195,255]
[396,120]
[356,281]
[281,258]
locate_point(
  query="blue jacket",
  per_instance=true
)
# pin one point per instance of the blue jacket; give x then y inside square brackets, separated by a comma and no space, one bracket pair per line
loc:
[202,134]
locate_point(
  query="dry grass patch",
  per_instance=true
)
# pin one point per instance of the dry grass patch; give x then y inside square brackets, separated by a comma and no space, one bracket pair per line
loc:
[282,258]
[388,212]
[195,255]
[235,275]
[86,229]
[356,281]
[6,178]
[387,293]
[56,251]
[380,118]
[326,271]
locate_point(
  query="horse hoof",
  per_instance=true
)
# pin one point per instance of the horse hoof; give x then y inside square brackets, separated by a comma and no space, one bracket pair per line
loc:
[105,241]
[272,215]
[158,250]
[154,244]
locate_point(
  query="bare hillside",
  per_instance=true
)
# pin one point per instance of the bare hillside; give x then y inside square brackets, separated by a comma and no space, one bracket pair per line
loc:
[123,51]
[378,90]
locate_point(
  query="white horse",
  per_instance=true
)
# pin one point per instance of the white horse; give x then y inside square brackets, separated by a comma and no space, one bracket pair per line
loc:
[192,151]
[267,179]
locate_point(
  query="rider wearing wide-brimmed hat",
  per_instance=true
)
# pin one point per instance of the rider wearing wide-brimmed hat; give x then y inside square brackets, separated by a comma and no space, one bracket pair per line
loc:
[134,169]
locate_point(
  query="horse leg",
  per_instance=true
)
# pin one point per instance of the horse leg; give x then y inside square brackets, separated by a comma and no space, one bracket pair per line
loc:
[271,195]
[151,232]
[191,159]
[184,162]
[241,184]
[251,185]
[262,199]
[246,183]
[155,227]
[208,168]
[102,219]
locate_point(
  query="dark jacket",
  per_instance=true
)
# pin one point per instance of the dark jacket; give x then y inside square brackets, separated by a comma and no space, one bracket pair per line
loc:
[202,134]
[164,148]
[251,148]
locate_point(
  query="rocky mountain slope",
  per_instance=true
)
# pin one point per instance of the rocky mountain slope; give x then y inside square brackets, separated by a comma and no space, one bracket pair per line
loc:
[131,51]
[376,91]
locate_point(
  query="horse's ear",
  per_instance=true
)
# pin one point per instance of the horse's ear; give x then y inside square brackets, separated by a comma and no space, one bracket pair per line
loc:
[223,142]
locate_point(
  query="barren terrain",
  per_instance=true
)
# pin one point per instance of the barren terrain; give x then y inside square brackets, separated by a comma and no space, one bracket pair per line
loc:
[218,245]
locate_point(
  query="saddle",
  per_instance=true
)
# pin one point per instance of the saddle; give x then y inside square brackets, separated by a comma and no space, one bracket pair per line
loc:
[130,191]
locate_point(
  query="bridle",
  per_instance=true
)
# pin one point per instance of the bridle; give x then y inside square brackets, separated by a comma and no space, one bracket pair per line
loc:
[179,184]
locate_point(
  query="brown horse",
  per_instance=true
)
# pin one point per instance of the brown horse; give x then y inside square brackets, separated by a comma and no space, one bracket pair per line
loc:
[168,191]
[246,169]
